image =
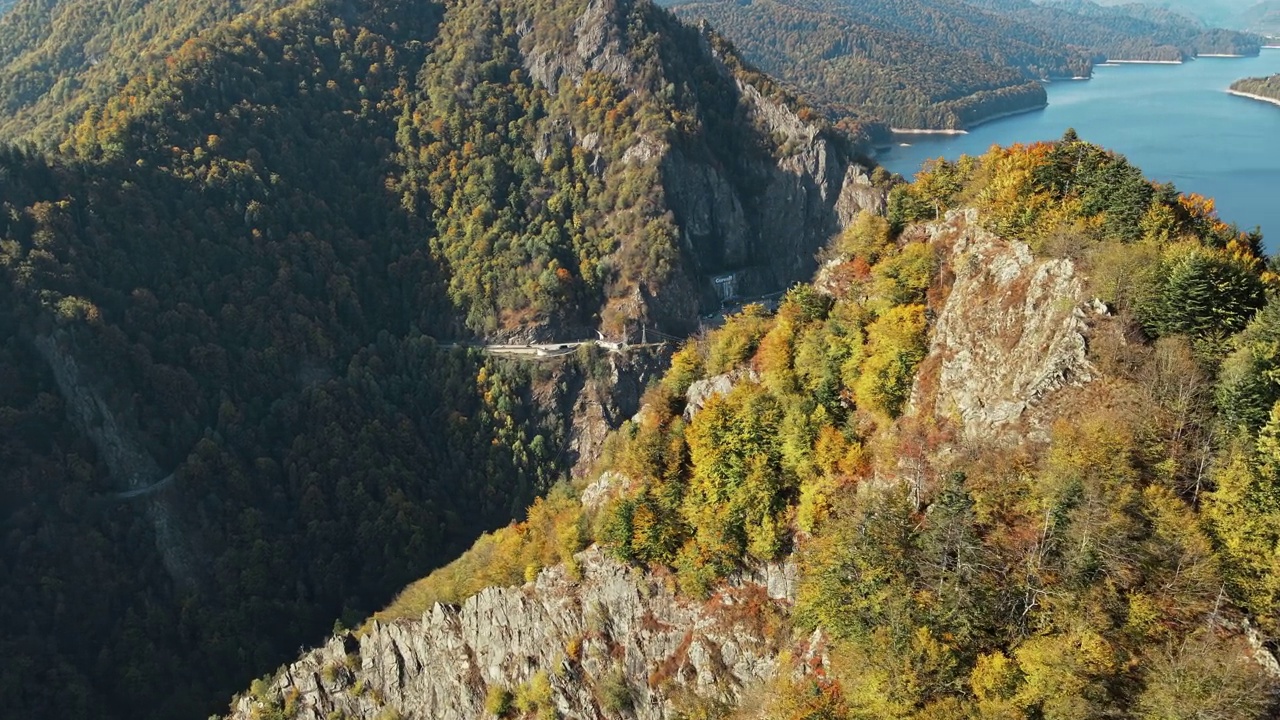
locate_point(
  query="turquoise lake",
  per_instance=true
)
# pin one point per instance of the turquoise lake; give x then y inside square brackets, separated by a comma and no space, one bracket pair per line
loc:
[1176,122]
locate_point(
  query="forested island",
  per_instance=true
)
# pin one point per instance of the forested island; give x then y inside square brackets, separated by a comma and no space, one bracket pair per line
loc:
[1266,89]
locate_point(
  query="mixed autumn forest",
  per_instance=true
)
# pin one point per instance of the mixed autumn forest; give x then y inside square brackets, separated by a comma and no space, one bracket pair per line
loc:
[244,247]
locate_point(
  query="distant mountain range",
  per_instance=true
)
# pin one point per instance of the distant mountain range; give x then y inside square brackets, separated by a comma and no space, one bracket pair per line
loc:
[1220,13]
[1263,17]
[1129,32]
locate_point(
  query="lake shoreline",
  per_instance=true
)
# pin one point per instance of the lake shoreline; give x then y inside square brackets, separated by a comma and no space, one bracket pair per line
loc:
[926,131]
[1168,120]
[970,126]
[1141,62]
[1251,96]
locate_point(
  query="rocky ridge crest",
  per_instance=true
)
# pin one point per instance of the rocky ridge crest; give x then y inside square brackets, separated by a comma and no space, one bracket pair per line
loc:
[604,637]
[1013,330]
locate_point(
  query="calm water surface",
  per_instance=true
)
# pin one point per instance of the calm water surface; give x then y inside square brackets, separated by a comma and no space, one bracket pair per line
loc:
[1176,122]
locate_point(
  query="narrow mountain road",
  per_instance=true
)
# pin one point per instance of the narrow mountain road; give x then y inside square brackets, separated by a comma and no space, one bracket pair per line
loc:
[143,491]
[547,351]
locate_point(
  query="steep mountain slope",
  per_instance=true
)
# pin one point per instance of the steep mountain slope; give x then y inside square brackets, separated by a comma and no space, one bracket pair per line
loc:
[58,57]
[232,409]
[227,316]
[1013,459]
[663,159]
[946,64]
[911,64]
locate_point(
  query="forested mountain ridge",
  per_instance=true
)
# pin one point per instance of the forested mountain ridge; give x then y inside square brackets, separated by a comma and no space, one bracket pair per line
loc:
[911,64]
[1262,17]
[1217,13]
[231,406]
[249,347]
[854,71]
[1131,31]
[947,64]
[58,57]
[673,162]
[1012,454]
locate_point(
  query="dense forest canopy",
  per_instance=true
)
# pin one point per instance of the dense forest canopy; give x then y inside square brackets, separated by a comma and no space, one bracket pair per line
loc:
[244,248]
[1131,31]
[248,304]
[1103,570]
[856,70]
[57,57]
[947,63]
[912,64]
[236,269]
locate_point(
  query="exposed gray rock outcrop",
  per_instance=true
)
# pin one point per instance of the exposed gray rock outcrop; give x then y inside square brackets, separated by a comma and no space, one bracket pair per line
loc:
[1012,331]
[701,391]
[609,485]
[602,404]
[1263,655]
[772,216]
[609,632]
[596,46]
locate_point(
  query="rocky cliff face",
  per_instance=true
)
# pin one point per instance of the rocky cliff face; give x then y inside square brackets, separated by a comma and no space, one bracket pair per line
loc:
[607,641]
[758,211]
[769,221]
[1012,331]
[701,391]
[607,396]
